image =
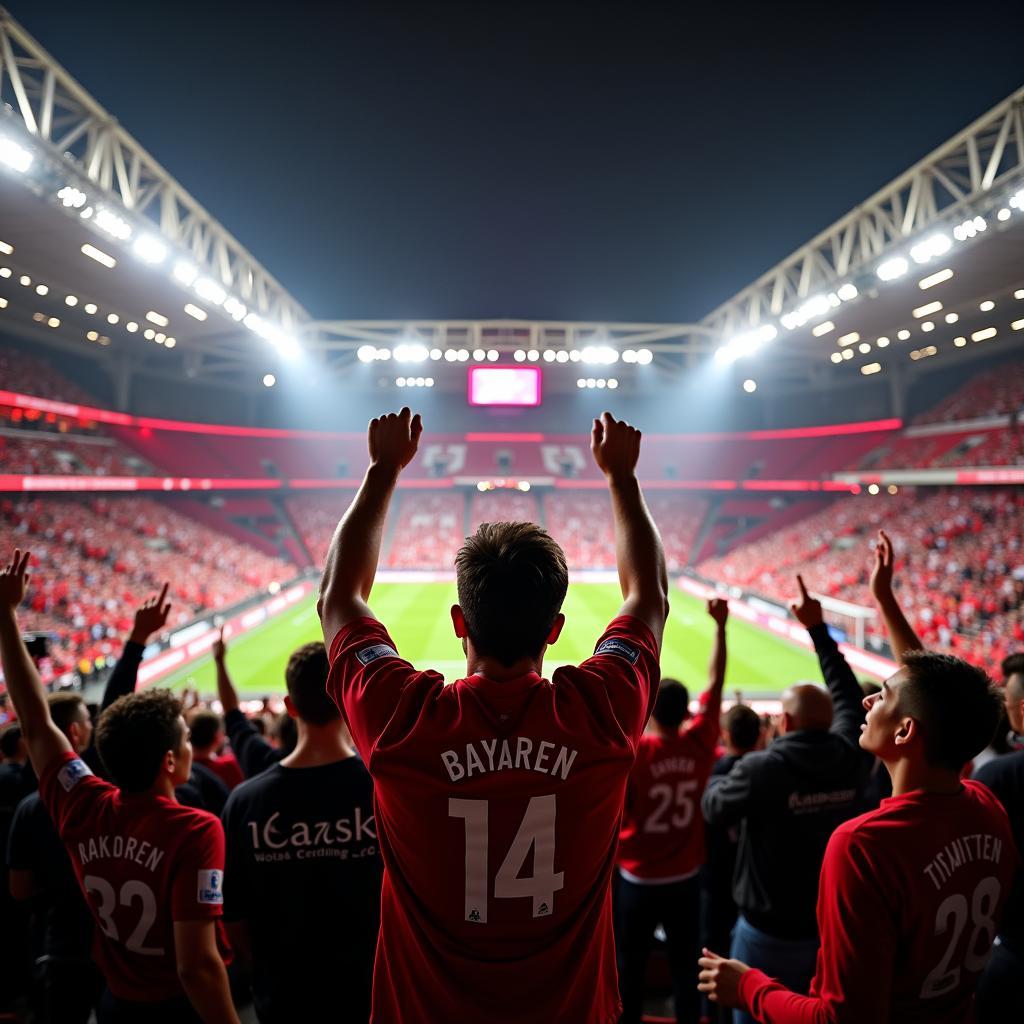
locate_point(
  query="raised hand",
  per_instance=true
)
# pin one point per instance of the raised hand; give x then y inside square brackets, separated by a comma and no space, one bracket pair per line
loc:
[151,617]
[718,609]
[14,580]
[881,573]
[720,978]
[394,438]
[219,649]
[616,446]
[808,611]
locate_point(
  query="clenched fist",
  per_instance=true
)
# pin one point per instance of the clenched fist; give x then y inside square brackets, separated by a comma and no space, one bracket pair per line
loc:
[616,446]
[394,438]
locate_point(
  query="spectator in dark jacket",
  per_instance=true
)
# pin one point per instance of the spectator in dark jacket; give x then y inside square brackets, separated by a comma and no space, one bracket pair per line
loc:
[787,800]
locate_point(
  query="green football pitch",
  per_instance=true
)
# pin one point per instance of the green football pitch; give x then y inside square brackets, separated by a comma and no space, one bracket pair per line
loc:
[416,614]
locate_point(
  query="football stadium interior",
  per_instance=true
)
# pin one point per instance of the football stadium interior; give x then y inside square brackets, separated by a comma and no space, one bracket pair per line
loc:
[170,413]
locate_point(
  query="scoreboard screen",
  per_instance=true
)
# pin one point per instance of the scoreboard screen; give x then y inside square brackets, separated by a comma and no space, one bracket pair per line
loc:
[504,385]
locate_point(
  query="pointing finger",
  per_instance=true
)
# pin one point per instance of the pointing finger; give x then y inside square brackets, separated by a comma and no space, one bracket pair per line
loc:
[800,584]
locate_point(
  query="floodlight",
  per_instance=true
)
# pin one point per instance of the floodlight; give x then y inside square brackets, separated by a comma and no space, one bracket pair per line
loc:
[185,272]
[207,288]
[150,249]
[113,225]
[269,380]
[891,269]
[14,156]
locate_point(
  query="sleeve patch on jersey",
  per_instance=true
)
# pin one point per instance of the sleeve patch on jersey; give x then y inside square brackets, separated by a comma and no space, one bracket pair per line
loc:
[615,646]
[211,887]
[368,654]
[72,773]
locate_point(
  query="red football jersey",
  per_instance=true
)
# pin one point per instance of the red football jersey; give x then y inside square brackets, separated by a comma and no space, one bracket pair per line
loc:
[662,834]
[497,807]
[143,863]
[909,902]
[225,767]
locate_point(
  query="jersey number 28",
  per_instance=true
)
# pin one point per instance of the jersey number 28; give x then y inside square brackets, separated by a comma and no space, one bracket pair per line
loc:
[952,917]
[537,829]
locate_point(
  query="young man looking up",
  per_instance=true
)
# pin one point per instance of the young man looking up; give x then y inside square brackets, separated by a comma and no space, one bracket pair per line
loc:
[661,842]
[301,839]
[910,895]
[151,869]
[498,798]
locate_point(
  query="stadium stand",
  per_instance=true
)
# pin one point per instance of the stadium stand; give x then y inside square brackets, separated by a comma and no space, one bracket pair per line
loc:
[993,392]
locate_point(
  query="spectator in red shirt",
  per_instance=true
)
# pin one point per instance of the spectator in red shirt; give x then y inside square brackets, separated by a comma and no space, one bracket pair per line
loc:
[151,869]
[498,798]
[661,842]
[911,894]
[207,728]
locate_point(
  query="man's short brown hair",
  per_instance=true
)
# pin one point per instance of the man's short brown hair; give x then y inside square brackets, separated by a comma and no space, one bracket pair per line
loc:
[134,734]
[306,679]
[512,580]
[65,709]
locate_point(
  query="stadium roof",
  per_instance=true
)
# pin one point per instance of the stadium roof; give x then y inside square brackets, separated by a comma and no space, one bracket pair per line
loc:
[89,217]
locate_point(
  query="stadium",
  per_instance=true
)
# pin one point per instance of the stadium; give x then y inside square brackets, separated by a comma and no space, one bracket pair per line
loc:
[170,413]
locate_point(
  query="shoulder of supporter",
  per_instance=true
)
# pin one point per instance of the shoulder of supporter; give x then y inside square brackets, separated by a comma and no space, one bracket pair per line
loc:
[1000,771]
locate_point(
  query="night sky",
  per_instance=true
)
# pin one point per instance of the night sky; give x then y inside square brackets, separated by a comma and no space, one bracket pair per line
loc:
[551,161]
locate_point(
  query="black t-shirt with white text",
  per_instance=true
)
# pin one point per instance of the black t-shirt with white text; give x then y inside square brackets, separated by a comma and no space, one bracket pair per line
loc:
[303,871]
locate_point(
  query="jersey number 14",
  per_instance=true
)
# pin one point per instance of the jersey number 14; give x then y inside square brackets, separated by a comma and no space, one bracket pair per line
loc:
[536,830]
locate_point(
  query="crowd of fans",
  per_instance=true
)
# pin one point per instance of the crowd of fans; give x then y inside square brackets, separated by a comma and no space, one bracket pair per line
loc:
[961,550]
[94,554]
[770,853]
[43,453]
[995,392]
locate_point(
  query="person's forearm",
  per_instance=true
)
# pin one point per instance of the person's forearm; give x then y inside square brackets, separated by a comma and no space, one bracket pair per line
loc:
[226,692]
[901,633]
[638,551]
[716,672]
[21,678]
[125,674]
[355,548]
[207,988]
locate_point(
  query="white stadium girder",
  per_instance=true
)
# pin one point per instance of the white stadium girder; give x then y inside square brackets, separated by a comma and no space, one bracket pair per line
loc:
[953,181]
[58,115]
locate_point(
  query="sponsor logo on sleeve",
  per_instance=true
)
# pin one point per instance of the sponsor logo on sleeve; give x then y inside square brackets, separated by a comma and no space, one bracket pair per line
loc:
[211,887]
[368,654]
[72,773]
[619,647]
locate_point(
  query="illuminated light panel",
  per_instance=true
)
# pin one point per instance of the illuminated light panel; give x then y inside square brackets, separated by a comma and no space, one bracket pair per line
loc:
[864,348]
[24,280]
[269,380]
[1003,214]
[436,354]
[937,278]
[837,357]
[131,327]
[882,342]
[822,329]
[519,356]
[185,272]
[891,269]
[411,353]
[872,488]
[71,300]
[3,303]
[479,355]
[99,256]
[1017,325]
[90,307]
[923,353]
[903,335]
[561,356]
[952,318]
[847,353]
[987,306]
[14,156]
[869,368]
[92,335]
[849,339]
[5,271]
[53,322]
[195,311]
[150,249]
[926,309]
[750,386]
[6,248]
[234,309]
[42,289]
[72,197]
[116,226]
[847,292]
[533,355]
[149,334]
[492,355]
[112,318]
[984,334]
[157,318]
[929,248]
[927,326]
[171,342]
[961,341]
[207,288]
